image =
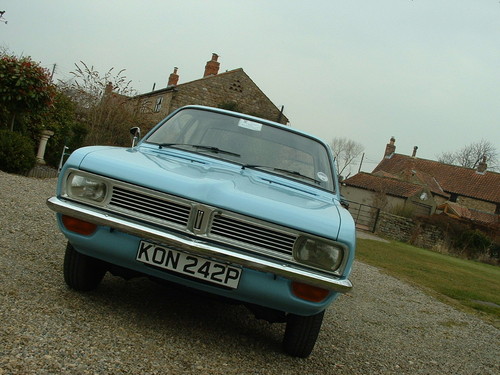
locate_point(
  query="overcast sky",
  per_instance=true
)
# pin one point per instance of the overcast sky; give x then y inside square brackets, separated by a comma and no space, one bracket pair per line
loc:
[424,71]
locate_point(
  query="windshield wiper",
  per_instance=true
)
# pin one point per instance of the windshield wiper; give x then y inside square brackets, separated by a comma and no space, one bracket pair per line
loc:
[298,174]
[286,171]
[216,150]
[207,148]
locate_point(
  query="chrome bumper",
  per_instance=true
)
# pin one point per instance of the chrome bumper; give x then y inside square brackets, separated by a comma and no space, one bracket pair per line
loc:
[198,247]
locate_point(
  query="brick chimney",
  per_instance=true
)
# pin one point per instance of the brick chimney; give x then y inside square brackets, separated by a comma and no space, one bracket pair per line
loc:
[415,148]
[108,90]
[173,78]
[390,148]
[212,67]
[481,167]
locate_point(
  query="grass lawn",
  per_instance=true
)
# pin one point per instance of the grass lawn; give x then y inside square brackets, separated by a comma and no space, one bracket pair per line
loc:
[469,285]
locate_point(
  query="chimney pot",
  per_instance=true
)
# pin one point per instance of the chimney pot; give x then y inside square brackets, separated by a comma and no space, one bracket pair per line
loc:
[415,148]
[390,148]
[109,89]
[212,67]
[482,166]
[173,78]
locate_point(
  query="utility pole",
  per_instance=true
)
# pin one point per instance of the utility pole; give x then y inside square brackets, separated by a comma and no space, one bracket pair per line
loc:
[53,70]
[361,162]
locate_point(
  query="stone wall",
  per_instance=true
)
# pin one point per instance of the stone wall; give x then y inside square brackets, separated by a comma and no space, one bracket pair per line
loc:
[227,88]
[232,90]
[409,230]
[150,112]
[476,204]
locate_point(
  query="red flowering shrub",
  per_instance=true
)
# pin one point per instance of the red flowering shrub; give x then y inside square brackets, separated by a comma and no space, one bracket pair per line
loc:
[25,86]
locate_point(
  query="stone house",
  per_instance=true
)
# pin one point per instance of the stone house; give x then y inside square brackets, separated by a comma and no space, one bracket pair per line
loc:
[478,189]
[233,90]
[389,194]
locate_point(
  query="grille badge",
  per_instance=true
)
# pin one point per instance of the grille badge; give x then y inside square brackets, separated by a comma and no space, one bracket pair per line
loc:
[199,219]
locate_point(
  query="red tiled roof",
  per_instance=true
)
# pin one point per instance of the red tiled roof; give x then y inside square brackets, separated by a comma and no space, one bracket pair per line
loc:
[455,209]
[452,179]
[416,177]
[391,186]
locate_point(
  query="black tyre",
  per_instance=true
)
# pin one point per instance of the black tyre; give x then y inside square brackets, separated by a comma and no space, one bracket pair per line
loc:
[301,333]
[82,272]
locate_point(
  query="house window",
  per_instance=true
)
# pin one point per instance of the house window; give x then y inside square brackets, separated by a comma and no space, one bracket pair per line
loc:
[497,210]
[158,104]
[453,197]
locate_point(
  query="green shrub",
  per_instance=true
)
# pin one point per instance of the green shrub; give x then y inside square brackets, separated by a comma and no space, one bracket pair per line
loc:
[16,152]
[474,243]
[495,250]
[72,137]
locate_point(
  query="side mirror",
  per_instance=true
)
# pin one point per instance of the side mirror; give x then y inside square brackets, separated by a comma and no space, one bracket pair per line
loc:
[136,134]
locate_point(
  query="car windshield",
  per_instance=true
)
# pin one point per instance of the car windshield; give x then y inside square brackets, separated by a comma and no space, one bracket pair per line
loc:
[250,143]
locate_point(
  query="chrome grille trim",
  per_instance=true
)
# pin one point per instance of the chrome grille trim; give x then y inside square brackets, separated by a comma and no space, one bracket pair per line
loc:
[193,218]
[243,232]
[149,206]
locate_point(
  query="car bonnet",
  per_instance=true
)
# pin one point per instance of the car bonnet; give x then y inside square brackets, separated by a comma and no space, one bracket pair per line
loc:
[217,183]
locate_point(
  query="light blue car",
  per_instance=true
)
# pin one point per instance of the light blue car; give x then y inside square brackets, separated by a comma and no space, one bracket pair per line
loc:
[217,201]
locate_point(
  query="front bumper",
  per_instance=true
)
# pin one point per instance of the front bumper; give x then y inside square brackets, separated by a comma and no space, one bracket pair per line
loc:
[199,247]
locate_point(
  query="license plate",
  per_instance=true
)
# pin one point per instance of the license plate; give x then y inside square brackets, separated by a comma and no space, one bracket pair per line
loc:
[187,264]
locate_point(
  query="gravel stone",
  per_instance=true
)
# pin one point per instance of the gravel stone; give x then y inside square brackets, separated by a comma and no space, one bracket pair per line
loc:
[383,326]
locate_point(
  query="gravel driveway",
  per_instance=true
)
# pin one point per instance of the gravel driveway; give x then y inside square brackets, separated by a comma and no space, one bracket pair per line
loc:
[139,327]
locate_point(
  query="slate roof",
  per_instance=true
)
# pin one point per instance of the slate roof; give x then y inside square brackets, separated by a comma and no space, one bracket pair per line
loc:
[451,179]
[388,185]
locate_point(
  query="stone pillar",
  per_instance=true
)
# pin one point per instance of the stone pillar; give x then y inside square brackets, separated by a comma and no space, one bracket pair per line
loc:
[46,134]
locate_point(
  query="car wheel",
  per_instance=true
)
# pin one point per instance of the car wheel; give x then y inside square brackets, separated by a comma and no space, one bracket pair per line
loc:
[81,272]
[301,333]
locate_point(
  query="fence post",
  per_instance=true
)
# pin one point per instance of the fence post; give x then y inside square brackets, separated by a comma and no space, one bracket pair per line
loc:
[376,220]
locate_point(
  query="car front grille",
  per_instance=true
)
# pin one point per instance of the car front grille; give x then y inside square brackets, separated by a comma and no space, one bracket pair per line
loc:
[255,235]
[223,227]
[149,206]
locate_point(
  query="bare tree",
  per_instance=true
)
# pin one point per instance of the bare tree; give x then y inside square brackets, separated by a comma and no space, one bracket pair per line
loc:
[345,151]
[2,12]
[102,104]
[471,155]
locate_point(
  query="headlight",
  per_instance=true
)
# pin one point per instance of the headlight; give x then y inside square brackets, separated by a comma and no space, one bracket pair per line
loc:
[319,253]
[86,187]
